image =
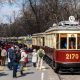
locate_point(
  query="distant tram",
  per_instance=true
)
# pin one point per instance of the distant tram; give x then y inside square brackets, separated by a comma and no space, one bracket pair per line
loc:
[61,43]
[26,40]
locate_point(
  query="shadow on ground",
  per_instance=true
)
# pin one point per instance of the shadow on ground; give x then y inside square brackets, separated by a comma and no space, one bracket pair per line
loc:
[26,74]
[3,74]
[46,68]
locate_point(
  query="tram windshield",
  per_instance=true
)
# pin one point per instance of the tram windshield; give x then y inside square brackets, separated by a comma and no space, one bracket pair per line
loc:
[68,41]
[72,43]
[63,41]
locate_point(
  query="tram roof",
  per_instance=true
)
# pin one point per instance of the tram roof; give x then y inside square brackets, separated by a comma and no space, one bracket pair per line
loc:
[35,34]
[65,26]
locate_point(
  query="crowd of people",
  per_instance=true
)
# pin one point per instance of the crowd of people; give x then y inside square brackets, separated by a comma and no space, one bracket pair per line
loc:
[16,56]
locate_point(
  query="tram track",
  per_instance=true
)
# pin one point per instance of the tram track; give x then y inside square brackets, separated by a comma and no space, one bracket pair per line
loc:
[59,77]
[62,76]
[68,76]
[65,77]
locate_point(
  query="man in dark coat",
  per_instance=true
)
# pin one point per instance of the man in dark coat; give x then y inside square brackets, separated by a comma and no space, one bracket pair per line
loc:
[16,60]
[11,52]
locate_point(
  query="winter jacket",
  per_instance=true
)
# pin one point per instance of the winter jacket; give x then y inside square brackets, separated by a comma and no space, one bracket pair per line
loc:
[34,56]
[23,56]
[3,52]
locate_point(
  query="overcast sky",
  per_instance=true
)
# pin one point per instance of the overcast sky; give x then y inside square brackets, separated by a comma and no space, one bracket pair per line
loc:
[7,11]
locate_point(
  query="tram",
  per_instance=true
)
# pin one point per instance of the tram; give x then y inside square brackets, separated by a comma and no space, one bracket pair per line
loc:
[26,40]
[61,43]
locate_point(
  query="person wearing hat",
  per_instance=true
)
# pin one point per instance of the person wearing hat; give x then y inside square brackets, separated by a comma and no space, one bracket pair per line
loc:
[22,60]
[34,57]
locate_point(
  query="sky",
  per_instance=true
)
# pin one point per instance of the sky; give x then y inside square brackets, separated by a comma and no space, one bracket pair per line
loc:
[7,11]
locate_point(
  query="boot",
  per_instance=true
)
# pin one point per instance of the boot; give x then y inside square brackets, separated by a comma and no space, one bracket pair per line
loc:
[21,72]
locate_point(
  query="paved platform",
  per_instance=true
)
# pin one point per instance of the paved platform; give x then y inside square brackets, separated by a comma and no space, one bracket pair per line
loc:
[31,73]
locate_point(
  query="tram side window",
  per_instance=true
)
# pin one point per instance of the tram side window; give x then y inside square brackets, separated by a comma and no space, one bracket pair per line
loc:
[57,41]
[63,43]
[72,42]
[78,44]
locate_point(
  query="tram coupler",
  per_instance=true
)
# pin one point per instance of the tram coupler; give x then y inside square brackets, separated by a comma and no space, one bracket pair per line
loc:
[71,69]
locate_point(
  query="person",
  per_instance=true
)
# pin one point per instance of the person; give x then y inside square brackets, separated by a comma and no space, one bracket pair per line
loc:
[8,59]
[34,57]
[65,45]
[72,45]
[11,52]
[41,54]
[22,60]
[16,60]
[3,55]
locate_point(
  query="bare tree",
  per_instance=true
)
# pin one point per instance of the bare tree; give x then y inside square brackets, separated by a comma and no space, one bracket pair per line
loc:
[39,15]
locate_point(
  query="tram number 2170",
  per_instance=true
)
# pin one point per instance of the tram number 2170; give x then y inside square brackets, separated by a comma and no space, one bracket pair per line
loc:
[72,56]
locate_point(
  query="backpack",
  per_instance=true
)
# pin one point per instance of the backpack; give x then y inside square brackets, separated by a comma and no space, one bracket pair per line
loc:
[17,57]
[41,53]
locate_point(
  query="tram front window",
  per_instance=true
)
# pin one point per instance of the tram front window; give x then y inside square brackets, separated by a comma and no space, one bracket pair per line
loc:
[63,43]
[72,42]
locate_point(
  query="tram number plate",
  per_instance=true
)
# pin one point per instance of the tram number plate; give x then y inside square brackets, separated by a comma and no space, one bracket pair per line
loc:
[72,56]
